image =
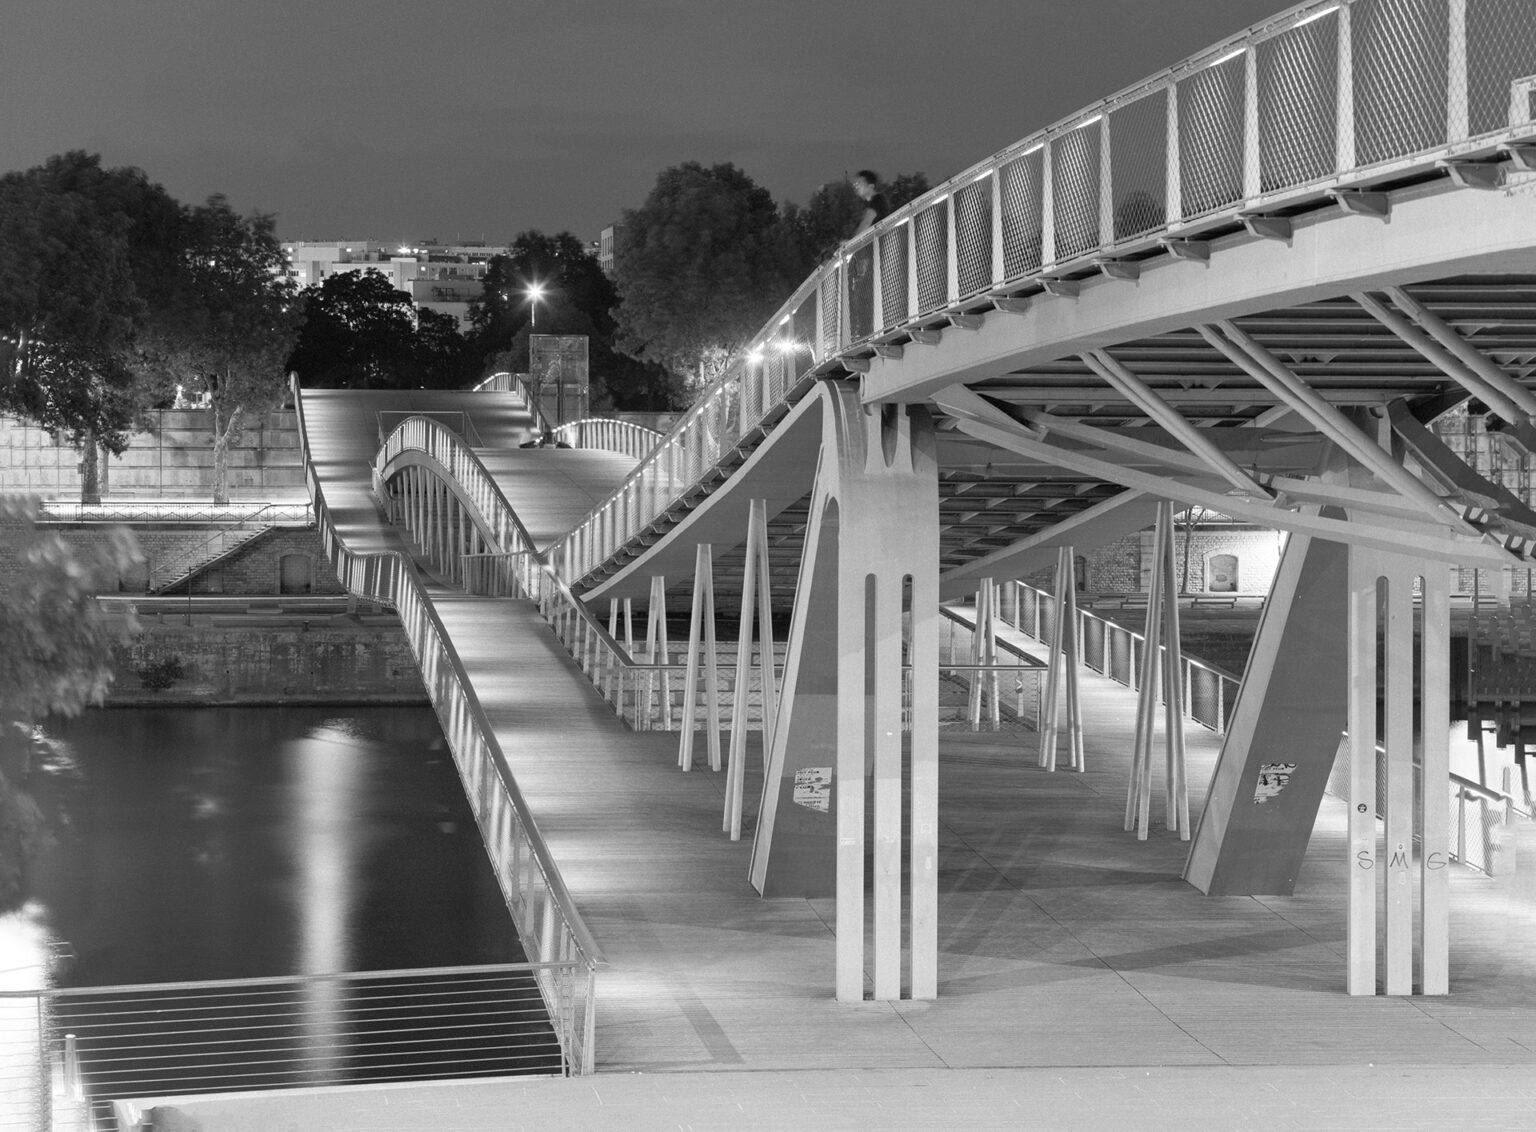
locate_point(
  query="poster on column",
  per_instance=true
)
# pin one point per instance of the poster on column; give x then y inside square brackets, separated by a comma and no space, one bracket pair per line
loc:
[557,369]
[813,788]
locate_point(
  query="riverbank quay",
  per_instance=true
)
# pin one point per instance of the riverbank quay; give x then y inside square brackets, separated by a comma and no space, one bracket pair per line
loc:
[202,651]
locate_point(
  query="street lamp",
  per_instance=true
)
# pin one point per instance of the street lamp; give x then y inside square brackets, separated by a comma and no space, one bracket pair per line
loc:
[535,292]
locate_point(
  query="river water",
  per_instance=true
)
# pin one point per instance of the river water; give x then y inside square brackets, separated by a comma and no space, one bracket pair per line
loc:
[227,842]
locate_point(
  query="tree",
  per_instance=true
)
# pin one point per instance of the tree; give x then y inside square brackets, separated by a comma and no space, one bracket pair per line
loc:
[577,298]
[230,324]
[813,233]
[702,269]
[57,660]
[85,254]
[441,351]
[359,333]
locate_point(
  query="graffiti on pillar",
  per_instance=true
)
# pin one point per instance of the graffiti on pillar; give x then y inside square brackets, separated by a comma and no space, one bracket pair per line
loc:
[1273,778]
[813,788]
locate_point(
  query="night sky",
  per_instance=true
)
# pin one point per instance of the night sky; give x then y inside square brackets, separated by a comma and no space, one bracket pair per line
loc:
[462,119]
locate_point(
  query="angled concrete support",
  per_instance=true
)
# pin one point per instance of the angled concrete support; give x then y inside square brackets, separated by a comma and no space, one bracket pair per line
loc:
[658,652]
[868,594]
[1160,664]
[702,652]
[1283,734]
[755,588]
[1063,664]
[983,683]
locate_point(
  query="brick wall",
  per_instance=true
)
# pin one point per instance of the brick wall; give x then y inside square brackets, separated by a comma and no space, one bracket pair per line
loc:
[254,569]
[1125,565]
[327,660]
[172,457]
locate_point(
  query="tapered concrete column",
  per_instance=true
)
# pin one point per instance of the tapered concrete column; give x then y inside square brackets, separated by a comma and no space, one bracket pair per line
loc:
[1402,858]
[868,592]
[1283,734]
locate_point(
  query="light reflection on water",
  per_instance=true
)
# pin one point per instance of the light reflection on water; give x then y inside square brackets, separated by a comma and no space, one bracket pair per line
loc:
[210,843]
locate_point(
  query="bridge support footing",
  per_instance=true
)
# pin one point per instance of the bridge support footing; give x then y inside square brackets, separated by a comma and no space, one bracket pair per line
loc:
[867,601]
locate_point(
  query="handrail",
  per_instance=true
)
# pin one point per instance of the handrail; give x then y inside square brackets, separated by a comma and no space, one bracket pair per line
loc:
[101,1046]
[180,568]
[1478,789]
[1245,125]
[174,511]
[623,437]
[465,470]
[1224,681]
[549,927]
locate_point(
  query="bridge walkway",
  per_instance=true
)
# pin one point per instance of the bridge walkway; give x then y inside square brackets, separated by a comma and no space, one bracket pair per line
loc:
[1059,931]
[1070,953]
[1080,977]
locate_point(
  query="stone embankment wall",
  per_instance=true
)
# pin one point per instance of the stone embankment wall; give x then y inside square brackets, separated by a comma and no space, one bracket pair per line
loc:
[255,568]
[256,659]
[172,458]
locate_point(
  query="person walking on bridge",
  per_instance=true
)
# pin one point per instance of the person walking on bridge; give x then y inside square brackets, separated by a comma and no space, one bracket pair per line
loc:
[861,279]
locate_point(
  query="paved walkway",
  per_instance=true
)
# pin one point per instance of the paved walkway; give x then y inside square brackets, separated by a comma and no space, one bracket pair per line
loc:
[1082,983]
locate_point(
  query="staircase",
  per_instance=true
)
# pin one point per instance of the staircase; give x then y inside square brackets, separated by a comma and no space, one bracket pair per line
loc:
[180,569]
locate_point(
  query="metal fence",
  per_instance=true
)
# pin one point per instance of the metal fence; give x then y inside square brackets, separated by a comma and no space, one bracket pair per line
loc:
[627,439]
[88,1047]
[1117,652]
[176,511]
[1480,816]
[548,923]
[1329,94]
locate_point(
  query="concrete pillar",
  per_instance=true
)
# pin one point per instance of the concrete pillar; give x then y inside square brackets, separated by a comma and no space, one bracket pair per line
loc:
[868,592]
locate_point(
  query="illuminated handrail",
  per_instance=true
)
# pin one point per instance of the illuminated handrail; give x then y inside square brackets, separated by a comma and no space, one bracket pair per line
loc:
[1322,97]
[610,435]
[548,923]
[105,1045]
[178,568]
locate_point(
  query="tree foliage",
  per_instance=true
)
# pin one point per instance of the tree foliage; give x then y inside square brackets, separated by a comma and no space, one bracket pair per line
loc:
[361,332]
[57,658]
[709,257]
[230,324]
[576,298]
[86,256]
[702,267]
[111,291]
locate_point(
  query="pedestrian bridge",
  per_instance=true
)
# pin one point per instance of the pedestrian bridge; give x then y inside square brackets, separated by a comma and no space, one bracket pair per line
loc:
[1247,283]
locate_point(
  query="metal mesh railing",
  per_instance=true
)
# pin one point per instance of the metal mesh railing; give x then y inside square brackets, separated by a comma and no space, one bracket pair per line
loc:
[1298,104]
[931,242]
[1501,51]
[1138,131]
[1479,815]
[893,276]
[1075,195]
[973,235]
[1401,72]
[1117,652]
[1212,107]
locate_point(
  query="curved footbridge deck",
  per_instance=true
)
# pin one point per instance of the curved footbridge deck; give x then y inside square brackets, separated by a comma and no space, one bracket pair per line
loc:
[1063,940]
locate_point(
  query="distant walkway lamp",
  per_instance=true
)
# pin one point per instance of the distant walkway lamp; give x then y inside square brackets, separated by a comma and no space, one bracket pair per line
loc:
[535,292]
